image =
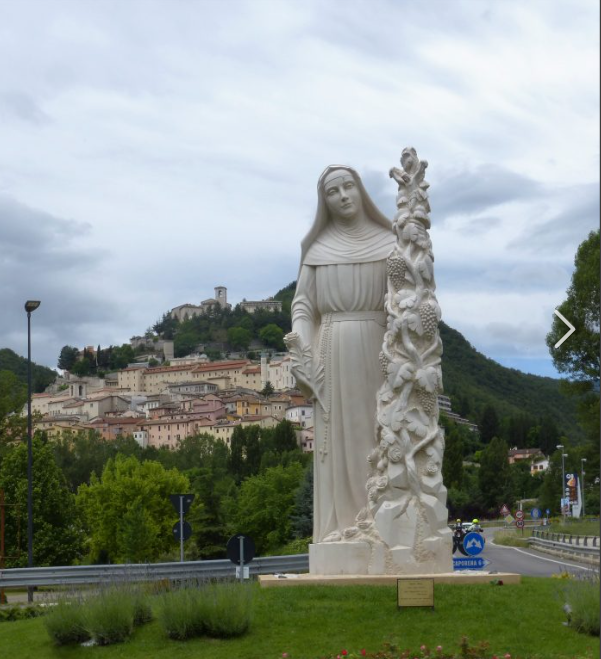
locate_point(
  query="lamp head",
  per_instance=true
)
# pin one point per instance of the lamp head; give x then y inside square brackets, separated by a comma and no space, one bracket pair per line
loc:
[31,305]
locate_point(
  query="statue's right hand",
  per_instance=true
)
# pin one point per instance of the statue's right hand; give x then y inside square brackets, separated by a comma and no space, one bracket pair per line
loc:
[303,383]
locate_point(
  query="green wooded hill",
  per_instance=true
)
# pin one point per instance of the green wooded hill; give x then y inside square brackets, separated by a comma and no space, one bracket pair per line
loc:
[41,376]
[473,381]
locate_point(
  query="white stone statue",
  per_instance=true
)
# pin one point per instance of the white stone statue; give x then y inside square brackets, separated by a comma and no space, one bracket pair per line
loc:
[365,346]
[338,323]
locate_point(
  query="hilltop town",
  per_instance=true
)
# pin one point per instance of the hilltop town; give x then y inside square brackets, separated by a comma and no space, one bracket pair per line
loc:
[162,399]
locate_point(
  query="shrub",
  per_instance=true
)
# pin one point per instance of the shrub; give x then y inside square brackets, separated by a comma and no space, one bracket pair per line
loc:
[109,616]
[582,603]
[220,610]
[181,614]
[65,623]
[12,613]
[227,609]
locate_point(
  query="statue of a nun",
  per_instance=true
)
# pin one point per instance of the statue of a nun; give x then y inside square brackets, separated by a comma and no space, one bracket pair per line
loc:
[338,324]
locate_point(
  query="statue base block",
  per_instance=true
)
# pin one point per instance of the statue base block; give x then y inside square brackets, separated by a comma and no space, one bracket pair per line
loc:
[346,558]
[363,558]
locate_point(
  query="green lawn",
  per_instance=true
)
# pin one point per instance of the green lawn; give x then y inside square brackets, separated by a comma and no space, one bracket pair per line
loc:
[312,621]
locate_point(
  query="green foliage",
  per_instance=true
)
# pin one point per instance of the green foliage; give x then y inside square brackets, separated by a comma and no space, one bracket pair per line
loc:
[56,524]
[180,614]
[66,622]
[452,466]
[265,503]
[239,338]
[301,517]
[268,389]
[109,616]
[14,613]
[219,610]
[272,336]
[13,394]
[41,376]
[112,508]
[578,357]
[582,597]
[489,424]
[494,476]
[476,381]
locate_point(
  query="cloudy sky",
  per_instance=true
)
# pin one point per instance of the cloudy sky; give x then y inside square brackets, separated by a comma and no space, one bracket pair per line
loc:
[150,150]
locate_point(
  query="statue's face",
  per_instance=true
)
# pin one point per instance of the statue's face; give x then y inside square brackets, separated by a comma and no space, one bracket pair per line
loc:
[343,197]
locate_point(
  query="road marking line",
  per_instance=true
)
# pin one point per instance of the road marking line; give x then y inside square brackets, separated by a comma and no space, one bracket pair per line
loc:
[579,567]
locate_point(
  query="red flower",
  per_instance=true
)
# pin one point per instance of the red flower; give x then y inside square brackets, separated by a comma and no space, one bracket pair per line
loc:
[344,653]
[363,652]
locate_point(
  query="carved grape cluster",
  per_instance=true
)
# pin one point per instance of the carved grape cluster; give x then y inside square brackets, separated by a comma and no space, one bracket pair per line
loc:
[427,400]
[383,363]
[429,319]
[396,267]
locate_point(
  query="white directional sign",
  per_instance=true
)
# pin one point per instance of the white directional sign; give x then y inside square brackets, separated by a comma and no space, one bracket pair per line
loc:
[567,334]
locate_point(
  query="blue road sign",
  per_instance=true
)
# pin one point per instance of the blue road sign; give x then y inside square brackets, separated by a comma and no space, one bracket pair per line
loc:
[475,563]
[536,513]
[473,543]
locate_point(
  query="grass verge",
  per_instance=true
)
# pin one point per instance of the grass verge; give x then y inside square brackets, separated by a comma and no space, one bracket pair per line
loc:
[306,622]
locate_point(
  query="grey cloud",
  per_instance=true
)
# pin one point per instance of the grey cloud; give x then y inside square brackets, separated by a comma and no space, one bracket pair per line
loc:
[41,257]
[567,228]
[471,192]
[24,107]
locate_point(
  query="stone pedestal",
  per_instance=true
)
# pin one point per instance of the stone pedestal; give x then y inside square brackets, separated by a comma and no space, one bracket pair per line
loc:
[346,558]
[364,558]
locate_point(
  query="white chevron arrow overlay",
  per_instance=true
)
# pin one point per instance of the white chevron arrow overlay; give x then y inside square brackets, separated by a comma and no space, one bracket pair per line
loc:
[567,334]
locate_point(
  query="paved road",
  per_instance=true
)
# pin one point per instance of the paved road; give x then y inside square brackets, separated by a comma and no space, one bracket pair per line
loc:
[528,562]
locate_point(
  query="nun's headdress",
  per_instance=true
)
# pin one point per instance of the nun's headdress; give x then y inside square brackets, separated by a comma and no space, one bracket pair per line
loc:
[330,242]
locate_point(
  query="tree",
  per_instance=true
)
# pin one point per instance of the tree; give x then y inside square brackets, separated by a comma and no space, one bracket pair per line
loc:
[301,517]
[138,534]
[265,503]
[273,336]
[81,368]
[489,424]
[67,358]
[268,389]
[452,466]
[13,394]
[109,503]
[58,538]
[284,437]
[578,356]
[238,337]
[494,476]
[237,447]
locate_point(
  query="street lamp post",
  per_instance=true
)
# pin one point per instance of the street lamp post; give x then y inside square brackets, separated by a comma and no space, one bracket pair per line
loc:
[582,472]
[30,307]
[563,478]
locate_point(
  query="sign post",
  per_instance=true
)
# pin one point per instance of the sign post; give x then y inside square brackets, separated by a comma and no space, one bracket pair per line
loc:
[182,530]
[240,549]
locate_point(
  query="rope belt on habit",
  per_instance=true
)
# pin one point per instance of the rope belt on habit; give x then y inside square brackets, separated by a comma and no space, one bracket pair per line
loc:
[344,316]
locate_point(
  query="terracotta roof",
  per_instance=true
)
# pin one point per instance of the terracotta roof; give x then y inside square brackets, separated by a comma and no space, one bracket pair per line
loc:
[221,366]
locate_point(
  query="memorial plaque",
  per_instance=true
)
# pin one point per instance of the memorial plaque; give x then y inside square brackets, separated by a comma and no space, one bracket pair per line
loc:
[415,592]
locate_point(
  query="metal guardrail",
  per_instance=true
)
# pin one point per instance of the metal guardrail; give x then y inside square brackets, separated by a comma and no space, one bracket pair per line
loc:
[586,547]
[78,575]
[568,539]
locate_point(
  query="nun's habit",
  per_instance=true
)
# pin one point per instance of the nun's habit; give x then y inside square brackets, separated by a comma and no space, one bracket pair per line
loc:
[338,310]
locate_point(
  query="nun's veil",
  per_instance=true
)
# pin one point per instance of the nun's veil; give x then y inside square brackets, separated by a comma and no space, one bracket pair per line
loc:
[373,243]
